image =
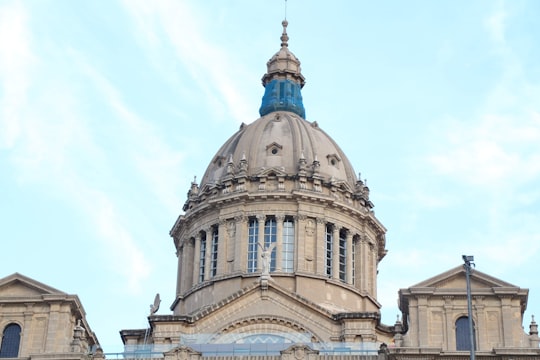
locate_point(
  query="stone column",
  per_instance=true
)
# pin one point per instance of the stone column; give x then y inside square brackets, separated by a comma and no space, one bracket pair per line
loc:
[448,323]
[189,260]
[222,248]
[372,267]
[423,328]
[52,328]
[320,247]
[481,330]
[180,272]
[240,243]
[507,321]
[196,258]
[305,238]
[229,246]
[25,335]
[364,255]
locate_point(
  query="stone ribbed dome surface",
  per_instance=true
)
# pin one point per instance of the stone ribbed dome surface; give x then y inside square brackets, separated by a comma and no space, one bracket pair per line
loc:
[280,141]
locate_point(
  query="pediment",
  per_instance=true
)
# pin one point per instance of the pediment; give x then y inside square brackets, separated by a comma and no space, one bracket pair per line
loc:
[271,171]
[18,285]
[456,279]
[256,308]
[342,185]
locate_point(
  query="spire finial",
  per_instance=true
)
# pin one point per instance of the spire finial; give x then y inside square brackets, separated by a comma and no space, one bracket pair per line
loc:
[284,36]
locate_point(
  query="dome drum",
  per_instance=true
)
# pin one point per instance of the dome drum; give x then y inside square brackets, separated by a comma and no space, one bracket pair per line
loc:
[280,209]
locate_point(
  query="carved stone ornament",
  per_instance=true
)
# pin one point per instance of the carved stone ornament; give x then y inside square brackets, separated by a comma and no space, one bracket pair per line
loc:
[182,353]
[298,352]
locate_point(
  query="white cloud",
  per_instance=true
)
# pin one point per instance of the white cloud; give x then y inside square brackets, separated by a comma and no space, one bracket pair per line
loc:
[54,143]
[122,250]
[54,146]
[210,65]
[499,145]
[494,154]
[16,61]
[498,151]
[495,23]
[150,154]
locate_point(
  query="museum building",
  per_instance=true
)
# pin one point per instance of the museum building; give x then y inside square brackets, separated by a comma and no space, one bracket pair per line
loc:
[278,249]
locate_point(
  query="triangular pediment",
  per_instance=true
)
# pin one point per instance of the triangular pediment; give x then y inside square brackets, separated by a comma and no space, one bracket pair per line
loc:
[342,185]
[17,285]
[271,171]
[456,279]
[258,307]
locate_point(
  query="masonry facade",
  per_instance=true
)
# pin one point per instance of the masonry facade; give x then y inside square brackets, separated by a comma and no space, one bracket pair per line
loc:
[278,249]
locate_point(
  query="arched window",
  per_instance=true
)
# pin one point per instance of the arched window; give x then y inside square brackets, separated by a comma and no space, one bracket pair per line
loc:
[355,246]
[11,339]
[288,245]
[214,255]
[343,255]
[253,241]
[329,234]
[270,232]
[202,257]
[463,338]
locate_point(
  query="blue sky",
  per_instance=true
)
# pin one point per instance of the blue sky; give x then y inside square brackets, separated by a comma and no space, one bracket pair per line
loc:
[108,109]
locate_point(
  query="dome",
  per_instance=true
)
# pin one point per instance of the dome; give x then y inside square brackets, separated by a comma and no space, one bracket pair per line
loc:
[284,143]
[280,207]
[281,141]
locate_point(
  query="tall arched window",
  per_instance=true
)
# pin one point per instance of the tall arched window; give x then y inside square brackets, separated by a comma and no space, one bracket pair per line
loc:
[288,245]
[11,339]
[463,338]
[214,254]
[253,241]
[202,257]
[270,237]
[355,246]
[329,233]
[343,255]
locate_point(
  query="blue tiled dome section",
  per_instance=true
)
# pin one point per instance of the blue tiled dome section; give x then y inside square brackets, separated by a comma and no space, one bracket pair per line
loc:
[282,95]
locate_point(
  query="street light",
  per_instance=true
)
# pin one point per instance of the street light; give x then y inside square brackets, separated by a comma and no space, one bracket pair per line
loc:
[468,259]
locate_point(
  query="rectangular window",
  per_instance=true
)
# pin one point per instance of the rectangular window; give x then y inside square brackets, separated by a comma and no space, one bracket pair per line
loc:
[328,255]
[353,253]
[253,247]
[202,256]
[288,245]
[214,257]
[270,230]
[343,255]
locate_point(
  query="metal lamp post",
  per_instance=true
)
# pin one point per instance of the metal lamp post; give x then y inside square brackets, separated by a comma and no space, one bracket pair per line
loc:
[468,259]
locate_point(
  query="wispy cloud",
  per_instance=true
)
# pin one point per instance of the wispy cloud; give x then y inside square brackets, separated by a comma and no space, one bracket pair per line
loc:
[495,23]
[16,63]
[494,153]
[53,149]
[497,152]
[210,65]
[50,143]
[498,145]
[150,154]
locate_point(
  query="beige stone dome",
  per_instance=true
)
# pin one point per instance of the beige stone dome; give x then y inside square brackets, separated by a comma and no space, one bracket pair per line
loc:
[279,214]
[283,143]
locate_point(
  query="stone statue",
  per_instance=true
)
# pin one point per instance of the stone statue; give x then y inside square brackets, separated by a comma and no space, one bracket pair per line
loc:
[266,256]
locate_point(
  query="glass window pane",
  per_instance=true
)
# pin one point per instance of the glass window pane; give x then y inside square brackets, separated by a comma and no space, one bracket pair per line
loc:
[11,339]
